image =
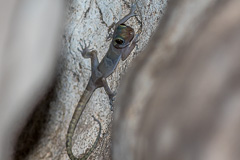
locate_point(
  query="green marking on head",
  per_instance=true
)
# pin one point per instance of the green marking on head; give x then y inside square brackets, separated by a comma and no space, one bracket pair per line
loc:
[122,36]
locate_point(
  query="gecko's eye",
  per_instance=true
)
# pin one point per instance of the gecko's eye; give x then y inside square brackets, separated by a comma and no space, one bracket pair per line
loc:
[119,41]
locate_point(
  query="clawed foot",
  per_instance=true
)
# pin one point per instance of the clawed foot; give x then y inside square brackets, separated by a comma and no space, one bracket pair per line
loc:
[135,39]
[133,9]
[132,12]
[85,51]
[112,99]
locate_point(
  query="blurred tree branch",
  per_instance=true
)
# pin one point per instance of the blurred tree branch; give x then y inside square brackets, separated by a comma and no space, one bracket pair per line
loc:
[29,32]
[181,98]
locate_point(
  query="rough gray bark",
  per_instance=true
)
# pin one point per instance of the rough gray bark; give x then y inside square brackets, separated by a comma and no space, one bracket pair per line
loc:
[92,21]
[181,98]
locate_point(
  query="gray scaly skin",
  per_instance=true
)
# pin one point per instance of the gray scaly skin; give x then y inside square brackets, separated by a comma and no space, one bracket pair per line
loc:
[121,46]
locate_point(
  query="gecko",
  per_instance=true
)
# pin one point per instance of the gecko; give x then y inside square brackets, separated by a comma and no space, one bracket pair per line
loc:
[123,42]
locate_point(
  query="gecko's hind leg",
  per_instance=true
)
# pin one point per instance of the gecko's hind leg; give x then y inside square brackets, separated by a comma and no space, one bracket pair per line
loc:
[109,92]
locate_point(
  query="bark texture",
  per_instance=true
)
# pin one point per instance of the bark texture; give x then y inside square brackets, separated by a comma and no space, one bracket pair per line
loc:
[180,100]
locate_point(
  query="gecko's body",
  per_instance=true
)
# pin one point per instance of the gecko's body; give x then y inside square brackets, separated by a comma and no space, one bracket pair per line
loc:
[121,46]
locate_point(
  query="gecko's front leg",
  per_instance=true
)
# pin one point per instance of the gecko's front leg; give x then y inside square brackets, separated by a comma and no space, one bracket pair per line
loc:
[88,53]
[131,14]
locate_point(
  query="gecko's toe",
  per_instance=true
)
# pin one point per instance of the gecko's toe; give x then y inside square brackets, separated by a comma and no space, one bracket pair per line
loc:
[111,100]
[133,8]
[111,105]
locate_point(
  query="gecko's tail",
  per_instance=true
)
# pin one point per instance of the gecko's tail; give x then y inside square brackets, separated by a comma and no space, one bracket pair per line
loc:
[94,146]
[76,116]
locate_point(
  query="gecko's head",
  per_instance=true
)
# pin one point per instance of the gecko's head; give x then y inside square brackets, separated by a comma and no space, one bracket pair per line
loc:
[122,37]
